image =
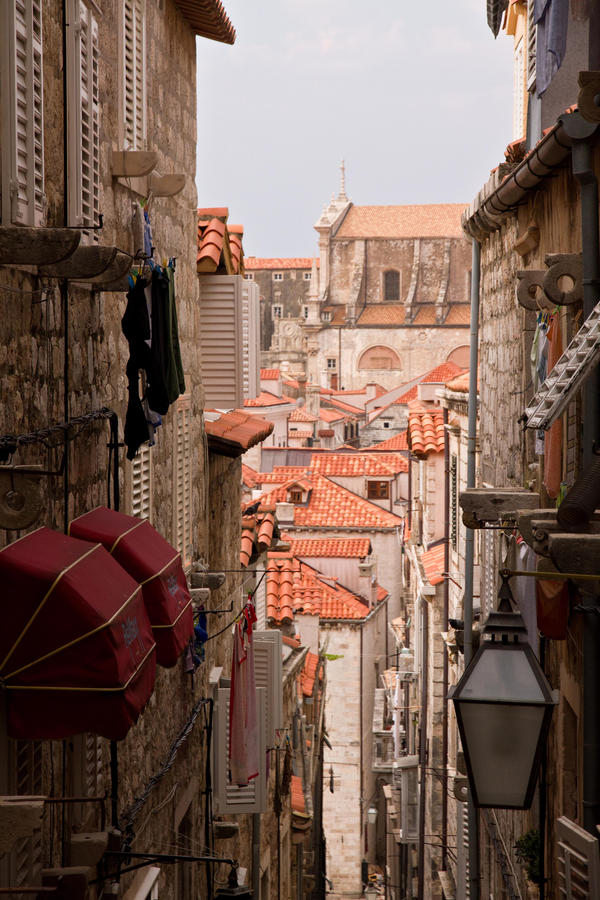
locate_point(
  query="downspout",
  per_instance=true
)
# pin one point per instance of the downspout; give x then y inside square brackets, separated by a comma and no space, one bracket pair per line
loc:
[339,386]
[470,540]
[445,657]
[582,133]
[423,745]
[360,729]
[256,855]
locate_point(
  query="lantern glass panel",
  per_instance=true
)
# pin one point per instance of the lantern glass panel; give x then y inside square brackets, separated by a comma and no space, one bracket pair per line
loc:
[505,674]
[502,741]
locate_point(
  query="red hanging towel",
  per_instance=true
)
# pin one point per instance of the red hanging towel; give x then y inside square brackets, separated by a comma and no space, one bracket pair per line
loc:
[243,722]
[552,601]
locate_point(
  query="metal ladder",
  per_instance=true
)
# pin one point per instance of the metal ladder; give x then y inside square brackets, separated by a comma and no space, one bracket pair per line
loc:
[567,376]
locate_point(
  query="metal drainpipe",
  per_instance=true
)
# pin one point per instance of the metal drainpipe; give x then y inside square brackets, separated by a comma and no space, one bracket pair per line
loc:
[470,539]
[360,731]
[423,745]
[581,156]
[445,657]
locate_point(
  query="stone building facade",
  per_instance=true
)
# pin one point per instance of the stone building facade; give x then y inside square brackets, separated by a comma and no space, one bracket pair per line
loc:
[284,285]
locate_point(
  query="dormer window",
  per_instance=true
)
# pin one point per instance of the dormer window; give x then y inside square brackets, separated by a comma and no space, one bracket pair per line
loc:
[391,286]
[378,490]
[295,496]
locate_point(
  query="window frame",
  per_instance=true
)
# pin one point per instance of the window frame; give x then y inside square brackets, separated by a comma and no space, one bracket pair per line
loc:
[332,363]
[277,311]
[378,489]
[277,276]
[307,276]
[398,274]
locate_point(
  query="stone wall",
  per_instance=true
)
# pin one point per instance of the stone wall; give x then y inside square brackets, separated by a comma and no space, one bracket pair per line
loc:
[290,293]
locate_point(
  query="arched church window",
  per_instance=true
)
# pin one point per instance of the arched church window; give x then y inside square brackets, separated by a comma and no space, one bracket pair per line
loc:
[391,286]
[379,358]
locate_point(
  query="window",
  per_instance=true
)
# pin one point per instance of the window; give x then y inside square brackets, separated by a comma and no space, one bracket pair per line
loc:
[277,311]
[391,286]
[331,363]
[249,276]
[83,120]
[21,77]
[183,480]
[133,62]
[305,311]
[306,276]
[326,316]
[141,483]
[277,276]
[386,423]
[295,496]
[378,490]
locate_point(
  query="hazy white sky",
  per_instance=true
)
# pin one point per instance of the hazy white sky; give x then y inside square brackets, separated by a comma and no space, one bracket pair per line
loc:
[416,97]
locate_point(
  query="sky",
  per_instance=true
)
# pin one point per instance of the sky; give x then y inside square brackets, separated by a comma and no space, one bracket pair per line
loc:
[416,97]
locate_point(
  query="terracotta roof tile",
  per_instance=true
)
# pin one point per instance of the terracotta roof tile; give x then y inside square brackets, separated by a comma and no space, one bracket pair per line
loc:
[353,464]
[426,431]
[346,407]
[290,642]
[249,476]
[235,432]
[213,212]
[278,262]
[300,434]
[433,563]
[460,384]
[270,375]
[309,672]
[430,220]
[382,314]
[281,474]
[332,506]
[300,414]
[265,398]
[397,442]
[295,588]
[211,236]
[353,548]
[458,314]
[326,432]
[330,415]
[208,19]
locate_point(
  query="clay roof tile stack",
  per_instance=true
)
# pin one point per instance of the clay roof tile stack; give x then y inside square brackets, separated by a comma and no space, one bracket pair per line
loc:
[397,442]
[294,588]
[426,431]
[433,563]
[257,535]
[235,432]
[265,398]
[352,548]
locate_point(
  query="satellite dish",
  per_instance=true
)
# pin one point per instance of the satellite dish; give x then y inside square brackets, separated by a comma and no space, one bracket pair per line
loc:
[20,498]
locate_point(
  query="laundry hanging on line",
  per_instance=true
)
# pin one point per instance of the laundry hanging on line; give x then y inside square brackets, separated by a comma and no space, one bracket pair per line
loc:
[150,326]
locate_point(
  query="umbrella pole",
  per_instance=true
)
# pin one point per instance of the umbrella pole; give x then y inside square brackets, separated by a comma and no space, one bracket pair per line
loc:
[114,784]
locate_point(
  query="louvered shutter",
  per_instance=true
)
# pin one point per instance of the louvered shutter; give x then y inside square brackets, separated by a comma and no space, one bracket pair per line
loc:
[183,481]
[251,339]
[229,798]
[463,887]
[141,483]
[83,119]
[134,74]
[268,668]
[531,47]
[221,340]
[578,862]
[21,78]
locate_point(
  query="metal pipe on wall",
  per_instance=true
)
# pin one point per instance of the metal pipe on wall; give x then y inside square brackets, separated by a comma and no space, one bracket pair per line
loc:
[423,744]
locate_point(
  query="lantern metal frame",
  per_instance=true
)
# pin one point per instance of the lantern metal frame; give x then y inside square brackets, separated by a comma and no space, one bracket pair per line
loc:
[506,633]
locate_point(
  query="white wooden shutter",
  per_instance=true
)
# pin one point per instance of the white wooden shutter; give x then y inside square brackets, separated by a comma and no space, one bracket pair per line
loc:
[229,798]
[21,78]
[251,339]
[141,483]
[578,862]
[463,886]
[134,74]
[221,340]
[183,481]
[268,670]
[83,118]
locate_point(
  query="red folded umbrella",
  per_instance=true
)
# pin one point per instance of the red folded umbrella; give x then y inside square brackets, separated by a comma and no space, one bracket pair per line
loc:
[76,647]
[156,565]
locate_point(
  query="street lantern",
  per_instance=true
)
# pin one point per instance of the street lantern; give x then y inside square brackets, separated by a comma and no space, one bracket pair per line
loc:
[372,815]
[503,706]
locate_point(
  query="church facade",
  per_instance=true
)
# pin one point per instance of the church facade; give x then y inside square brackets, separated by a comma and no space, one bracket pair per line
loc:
[387,299]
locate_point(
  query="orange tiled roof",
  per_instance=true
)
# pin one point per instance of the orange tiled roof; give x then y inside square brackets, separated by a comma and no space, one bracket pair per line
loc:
[426,431]
[433,563]
[270,374]
[208,19]
[332,506]
[326,432]
[236,233]
[397,442]
[353,464]
[281,474]
[458,314]
[459,384]
[278,262]
[353,548]
[439,375]
[257,534]
[297,795]
[346,407]
[309,673]
[295,588]
[430,220]
[235,432]
[301,414]
[300,433]
[382,314]
[330,415]
[211,237]
[381,593]
[249,475]
[265,398]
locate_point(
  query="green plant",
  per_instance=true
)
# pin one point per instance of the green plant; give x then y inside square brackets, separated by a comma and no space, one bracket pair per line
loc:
[528,852]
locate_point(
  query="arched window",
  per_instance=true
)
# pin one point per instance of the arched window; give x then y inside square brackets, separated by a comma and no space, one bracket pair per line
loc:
[379,358]
[391,286]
